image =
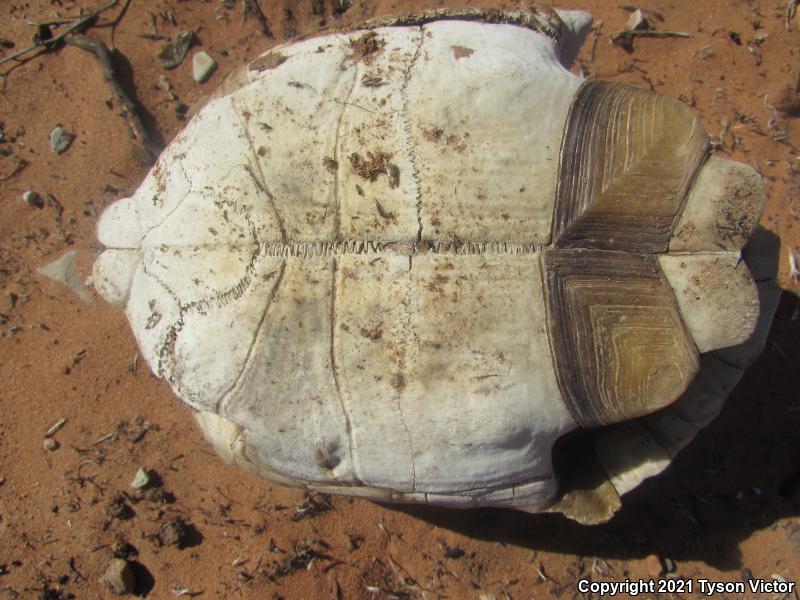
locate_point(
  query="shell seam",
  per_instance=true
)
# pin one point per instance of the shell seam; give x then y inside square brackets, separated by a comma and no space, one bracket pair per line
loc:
[337,133]
[246,362]
[407,129]
[260,181]
[335,369]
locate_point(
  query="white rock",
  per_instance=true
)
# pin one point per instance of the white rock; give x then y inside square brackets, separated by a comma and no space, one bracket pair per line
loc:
[141,479]
[32,199]
[202,66]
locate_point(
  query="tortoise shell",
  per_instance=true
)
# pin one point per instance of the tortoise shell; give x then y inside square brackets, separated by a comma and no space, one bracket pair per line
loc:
[402,261]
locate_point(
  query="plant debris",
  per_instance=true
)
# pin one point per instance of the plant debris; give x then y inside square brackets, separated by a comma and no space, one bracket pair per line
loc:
[303,556]
[267,61]
[375,165]
[311,507]
[175,532]
[366,47]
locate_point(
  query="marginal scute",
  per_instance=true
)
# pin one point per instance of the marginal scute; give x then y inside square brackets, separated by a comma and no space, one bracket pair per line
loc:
[119,225]
[722,209]
[113,272]
[629,455]
[627,159]
[587,496]
[619,345]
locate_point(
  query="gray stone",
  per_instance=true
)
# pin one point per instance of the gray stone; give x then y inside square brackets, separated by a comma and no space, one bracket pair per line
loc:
[60,139]
[33,199]
[119,577]
[202,66]
[172,54]
[141,479]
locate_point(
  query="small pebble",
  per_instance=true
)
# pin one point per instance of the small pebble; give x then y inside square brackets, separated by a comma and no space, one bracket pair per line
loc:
[202,66]
[172,54]
[33,199]
[653,566]
[119,577]
[669,565]
[174,533]
[793,535]
[50,444]
[60,139]
[141,479]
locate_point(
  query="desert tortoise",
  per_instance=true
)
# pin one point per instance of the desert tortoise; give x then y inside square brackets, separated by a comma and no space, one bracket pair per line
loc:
[402,261]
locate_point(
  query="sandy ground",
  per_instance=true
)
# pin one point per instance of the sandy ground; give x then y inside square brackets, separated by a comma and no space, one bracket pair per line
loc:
[726,510]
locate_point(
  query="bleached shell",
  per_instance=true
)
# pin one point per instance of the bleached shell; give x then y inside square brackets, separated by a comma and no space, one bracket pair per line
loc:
[345,264]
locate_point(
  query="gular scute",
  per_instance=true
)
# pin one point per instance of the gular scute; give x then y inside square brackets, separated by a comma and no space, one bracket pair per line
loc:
[628,158]
[621,349]
[402,261]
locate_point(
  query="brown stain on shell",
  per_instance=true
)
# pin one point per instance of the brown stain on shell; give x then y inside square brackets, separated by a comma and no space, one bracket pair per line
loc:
[366,47]
[460,52]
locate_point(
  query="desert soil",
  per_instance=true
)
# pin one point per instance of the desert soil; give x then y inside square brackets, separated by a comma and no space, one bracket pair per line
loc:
[726,510]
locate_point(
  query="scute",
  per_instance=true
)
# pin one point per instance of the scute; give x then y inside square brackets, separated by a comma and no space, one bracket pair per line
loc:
[621,350]
[483,155]
[628,158]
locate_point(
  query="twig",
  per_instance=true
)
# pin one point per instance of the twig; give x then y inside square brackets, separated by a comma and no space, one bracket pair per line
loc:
[55,427]
[625,37]
[115,21]
[55,41]
[58,209]
[250,8]
[791,7]
[597,35]
[150,146]
[21,164]
[100,440]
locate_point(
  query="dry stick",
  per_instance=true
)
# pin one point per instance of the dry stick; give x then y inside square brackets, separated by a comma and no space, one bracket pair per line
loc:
[632,33]
[597,34]
[115,21]
[150,146]
[21,164]
[250,8]
[53,42]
